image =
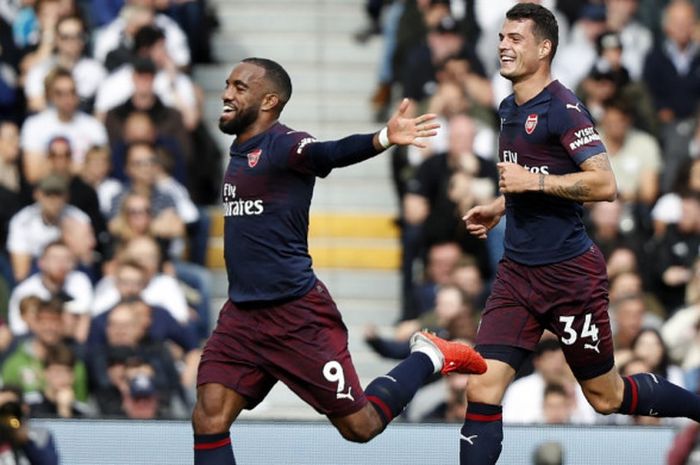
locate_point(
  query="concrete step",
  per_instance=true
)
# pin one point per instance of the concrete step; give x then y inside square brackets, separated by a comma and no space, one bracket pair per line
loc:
[344,284]
[291,18]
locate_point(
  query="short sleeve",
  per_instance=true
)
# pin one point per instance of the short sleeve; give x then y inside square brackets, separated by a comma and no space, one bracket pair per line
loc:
[574,126]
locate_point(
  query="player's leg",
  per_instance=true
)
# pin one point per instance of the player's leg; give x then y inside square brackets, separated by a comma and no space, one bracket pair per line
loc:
[215,410]
[229,379]
[389,395]
[644,394]
[481,435]
[507,334]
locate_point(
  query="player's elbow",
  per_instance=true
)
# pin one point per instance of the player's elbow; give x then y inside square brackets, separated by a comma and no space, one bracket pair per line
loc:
[608,190]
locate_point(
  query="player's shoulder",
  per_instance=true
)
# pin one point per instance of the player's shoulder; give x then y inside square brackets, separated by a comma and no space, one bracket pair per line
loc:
[564,99]
[284,137]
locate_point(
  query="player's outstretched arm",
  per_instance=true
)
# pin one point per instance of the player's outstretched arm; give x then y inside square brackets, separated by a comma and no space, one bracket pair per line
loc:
[596,182]
[403,129]
[482,218]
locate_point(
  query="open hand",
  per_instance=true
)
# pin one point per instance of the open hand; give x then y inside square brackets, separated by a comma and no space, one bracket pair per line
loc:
[404,129]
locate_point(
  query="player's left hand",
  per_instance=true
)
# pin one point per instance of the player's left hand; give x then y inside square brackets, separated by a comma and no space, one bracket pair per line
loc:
[514,179]
[404,129]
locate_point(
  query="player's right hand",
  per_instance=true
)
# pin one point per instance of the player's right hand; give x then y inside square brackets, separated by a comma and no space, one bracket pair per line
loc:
[480,220]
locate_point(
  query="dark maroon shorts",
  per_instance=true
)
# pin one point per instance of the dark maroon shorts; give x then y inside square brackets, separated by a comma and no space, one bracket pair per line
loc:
[303,343]
[569,298]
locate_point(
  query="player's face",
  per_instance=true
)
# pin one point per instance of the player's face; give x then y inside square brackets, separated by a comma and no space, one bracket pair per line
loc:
[518,49]
[242,98]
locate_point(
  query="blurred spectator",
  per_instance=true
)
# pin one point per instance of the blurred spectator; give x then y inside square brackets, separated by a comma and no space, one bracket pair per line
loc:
[452,316]
[452,408]
[635,156]
[557,405]
[62,118]
[444,40]
[672,66]
[161,289]
[26,444]
[141,160]
[680,332]
[124,336]
[609,79]
[144,118]
[675,253]
[133,16]
[57,278]
[649,347]
[629,316]
[10,97]
[71,38]
[95,173]
[174,88]
[80,239]
[669,207]
[685,447]
[12,191]
[637,40]
[80,194]
[429,200]
[58,396]
[467,277]
[573,61]
[34,226]
[34,30]
[25,366]
[524,399]
[141,400]
[612,226]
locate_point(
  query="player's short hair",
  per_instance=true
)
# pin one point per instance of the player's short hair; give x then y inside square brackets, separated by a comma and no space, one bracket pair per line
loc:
[546,27]
[61,354]
[276,76]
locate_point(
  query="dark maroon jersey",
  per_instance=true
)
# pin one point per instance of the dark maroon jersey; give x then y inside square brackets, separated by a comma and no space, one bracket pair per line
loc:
[552,133]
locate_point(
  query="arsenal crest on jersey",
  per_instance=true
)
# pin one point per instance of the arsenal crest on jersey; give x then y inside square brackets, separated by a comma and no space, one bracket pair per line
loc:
[530,123]
[253,157]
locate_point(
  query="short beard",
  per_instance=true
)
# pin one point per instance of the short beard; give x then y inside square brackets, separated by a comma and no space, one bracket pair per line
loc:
[241,122]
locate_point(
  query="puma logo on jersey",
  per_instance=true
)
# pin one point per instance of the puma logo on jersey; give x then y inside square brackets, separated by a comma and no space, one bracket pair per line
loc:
[592,347]
[345,395]
[574,107]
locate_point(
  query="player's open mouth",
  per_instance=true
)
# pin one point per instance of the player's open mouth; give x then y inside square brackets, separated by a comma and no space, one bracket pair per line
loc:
[227,109]
[507,59]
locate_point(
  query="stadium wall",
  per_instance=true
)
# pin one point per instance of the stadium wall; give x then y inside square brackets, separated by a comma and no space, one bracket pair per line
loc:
[104,442]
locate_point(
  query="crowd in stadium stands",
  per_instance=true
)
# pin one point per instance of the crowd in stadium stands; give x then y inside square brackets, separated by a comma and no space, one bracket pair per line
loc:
[636,66]
[104,295]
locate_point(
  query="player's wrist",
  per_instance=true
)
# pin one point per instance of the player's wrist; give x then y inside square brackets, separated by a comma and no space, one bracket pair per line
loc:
[383,138]
[540,182]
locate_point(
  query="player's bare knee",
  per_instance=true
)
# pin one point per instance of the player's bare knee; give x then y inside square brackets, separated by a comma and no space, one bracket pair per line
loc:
[604,403]
[209,420]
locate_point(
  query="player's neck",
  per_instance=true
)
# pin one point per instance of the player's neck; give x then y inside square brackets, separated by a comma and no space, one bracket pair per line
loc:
[528,88]
[255,129]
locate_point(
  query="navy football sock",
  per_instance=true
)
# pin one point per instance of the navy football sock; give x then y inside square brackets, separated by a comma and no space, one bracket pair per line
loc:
[481,435]
[389,394]
[651,395]
[213,449]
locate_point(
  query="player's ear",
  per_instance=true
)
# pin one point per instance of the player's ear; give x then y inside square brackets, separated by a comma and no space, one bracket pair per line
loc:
[545,49]
[270,102]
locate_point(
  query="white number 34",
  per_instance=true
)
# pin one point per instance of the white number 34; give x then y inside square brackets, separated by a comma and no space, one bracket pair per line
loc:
[589,329]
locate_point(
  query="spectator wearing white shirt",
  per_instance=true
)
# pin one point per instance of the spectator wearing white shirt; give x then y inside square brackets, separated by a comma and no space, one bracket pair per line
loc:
[95,173]
[38,224]
[57,277]
[135,14]
[70,47]
[162,289]
[62,118]
[173,88]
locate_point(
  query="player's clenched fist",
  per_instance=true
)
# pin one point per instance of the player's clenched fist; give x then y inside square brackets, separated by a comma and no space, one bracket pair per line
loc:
[514,178]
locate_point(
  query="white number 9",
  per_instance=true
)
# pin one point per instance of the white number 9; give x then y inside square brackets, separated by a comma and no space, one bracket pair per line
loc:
[333,372]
